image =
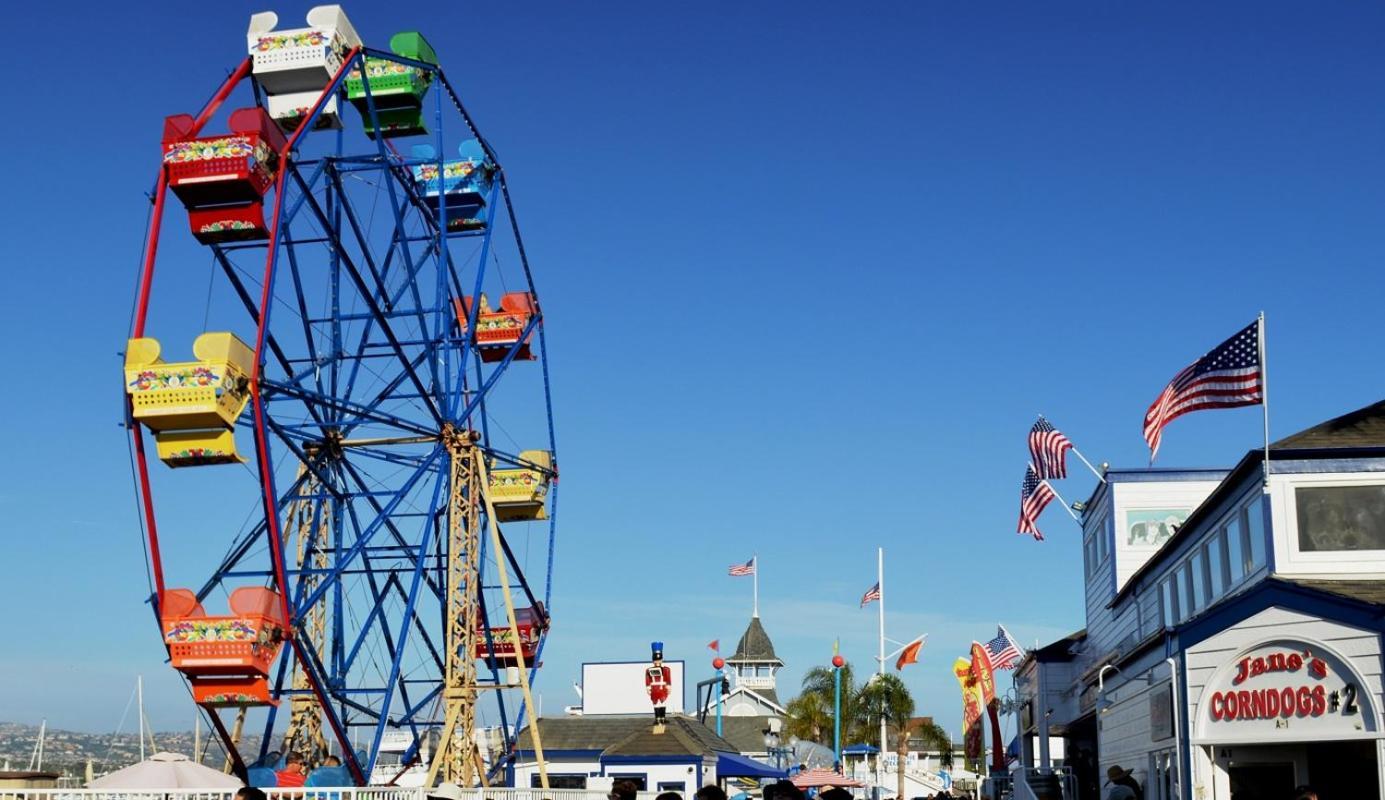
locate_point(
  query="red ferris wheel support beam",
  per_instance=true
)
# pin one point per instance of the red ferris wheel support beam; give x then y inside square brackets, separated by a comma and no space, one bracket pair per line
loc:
[146,282]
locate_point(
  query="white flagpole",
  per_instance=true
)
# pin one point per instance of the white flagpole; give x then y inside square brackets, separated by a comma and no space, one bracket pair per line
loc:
[1265,399]
[880,582]
[1066,507]
[1098,475]
[755,579]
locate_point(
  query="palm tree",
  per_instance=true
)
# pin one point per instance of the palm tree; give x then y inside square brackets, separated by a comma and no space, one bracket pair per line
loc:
[809,718]
[886,697]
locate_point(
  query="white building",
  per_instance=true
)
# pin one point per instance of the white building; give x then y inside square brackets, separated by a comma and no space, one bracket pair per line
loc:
[1234,625]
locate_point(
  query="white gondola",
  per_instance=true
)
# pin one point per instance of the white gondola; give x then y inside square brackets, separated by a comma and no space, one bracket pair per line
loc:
[293,66]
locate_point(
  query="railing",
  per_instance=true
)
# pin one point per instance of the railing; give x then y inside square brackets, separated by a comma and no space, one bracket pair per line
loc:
[310,793]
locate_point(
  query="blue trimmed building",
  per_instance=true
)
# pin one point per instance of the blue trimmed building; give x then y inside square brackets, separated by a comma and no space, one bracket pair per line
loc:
[1233,646]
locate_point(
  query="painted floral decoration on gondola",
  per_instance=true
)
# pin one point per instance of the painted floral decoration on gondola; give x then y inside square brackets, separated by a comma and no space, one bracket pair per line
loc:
[450,169]
[199,455]
[206,149]
[227,225]
[222,630]
[283,41]
[179,378]
[513,478]
[499,322]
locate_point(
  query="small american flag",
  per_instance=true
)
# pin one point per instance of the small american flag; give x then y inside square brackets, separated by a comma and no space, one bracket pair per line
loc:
[1229,376]
[1035,495]
[1048,448]
[741,570]
[1004,653]
[872,594]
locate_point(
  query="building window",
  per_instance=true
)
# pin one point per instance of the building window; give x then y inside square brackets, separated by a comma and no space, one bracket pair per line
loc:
[1089,550]
[640,780]
[1101,543]
[1180,594]
[1235,549]
[559,781]
[1197,577]
[1332,518]
[1169,601]
[671,786]
[1216,564]
[1253,518]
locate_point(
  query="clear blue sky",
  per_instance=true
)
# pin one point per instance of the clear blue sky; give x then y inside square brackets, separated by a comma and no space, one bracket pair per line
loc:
[810,271]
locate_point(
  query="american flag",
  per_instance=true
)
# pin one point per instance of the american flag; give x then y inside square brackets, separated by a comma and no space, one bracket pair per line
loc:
[1229,376]
[1048,448]
[740,570]
[1004,653]
[1035,495]
[872,594]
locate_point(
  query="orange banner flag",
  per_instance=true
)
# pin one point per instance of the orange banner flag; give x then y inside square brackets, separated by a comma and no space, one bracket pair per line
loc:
[982,673]
[909,655]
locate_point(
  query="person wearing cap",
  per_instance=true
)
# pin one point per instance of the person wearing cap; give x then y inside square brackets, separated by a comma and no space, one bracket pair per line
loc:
[446,791]
[1123,785]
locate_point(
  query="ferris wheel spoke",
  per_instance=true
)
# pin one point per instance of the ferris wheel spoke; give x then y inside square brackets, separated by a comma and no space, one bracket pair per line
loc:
[365,293]
[363,413]
[364,492]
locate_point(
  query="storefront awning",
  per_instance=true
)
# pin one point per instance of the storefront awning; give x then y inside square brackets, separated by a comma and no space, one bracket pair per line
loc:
[730,765]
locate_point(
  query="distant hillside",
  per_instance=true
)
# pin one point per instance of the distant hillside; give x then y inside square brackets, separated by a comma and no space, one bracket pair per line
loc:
[68,751]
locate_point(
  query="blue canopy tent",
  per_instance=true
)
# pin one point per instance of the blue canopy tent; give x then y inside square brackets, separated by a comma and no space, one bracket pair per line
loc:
[731,765]
[859,750]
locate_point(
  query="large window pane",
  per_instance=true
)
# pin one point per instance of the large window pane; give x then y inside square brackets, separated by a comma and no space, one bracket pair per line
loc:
[1235,549]
[1341,518]
[1254,516]
[1199,581]
[1170,605]
[1216,564]
[1185,597]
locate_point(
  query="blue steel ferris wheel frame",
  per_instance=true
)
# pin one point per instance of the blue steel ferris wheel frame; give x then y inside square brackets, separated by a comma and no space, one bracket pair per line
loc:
[440,366]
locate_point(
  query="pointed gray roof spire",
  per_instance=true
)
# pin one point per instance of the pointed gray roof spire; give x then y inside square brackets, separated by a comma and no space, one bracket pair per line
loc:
[755,645]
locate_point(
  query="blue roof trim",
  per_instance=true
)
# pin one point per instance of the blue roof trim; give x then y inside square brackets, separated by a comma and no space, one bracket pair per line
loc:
[1270,593]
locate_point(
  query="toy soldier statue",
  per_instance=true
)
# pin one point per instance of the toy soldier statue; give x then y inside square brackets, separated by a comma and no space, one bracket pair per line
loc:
[657,679]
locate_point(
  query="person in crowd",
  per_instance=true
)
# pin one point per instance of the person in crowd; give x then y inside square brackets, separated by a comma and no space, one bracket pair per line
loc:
[783,790]
[250,793]
[669,796]
[294,773]
[331,761]
[1121,784]
[1305,792]
[710,792]
[623,790]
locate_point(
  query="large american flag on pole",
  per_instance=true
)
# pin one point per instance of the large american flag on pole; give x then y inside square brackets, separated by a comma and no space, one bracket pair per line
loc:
[741,570]
[1048,448]
[1004,653]
[1035,495]
[1230,375]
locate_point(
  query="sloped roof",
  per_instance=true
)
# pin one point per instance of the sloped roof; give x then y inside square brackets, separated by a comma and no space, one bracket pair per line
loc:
[1364,427]
[755,644]
[626,735]
[746,734]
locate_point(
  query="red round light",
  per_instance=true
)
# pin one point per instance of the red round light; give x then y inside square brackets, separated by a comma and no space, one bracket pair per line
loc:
[718,662]
[838,661]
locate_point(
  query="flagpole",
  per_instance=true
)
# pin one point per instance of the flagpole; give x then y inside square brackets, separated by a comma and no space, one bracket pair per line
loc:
[1078,453]
[1265,399]
[755,579]
[880,577]
[1066,507]
[1098,475]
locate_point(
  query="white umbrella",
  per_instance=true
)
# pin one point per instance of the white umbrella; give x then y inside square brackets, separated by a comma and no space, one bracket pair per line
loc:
[167,771]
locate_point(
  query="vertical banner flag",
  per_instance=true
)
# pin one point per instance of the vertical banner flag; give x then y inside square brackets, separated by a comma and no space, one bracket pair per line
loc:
[982,673]
[1230,375]
[971,709]
[714,645]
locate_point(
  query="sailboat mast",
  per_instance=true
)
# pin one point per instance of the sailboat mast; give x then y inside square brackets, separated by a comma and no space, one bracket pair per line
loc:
[139,692]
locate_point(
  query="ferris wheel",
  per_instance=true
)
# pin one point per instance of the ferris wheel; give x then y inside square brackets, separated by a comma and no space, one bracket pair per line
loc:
[339,412]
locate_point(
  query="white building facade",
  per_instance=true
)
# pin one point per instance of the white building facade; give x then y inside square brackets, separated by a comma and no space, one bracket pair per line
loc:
[1233,645]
